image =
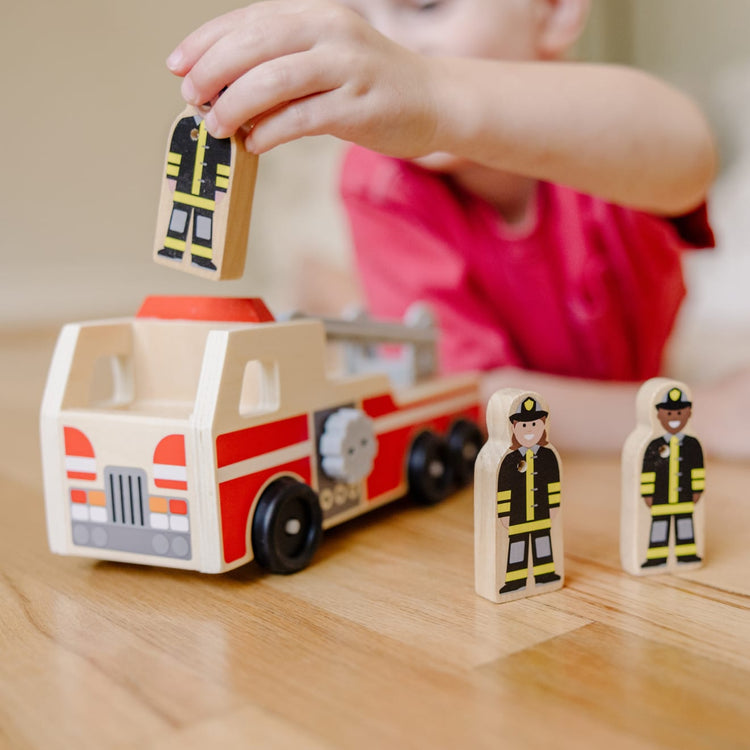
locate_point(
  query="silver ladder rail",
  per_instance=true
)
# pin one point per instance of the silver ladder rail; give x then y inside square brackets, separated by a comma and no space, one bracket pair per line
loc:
[363,337]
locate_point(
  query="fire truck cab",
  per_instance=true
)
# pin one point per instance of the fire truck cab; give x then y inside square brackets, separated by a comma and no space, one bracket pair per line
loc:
[203,434]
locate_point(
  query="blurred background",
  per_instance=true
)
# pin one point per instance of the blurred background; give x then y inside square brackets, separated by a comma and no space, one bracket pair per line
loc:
[86,108]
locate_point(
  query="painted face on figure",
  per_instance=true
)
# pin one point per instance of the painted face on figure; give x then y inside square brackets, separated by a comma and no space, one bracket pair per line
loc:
[496,29]
[528,434]
[673,420]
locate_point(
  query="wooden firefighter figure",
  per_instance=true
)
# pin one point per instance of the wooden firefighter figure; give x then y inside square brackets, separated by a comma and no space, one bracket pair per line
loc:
[206,200]
[663,478]
[517,533]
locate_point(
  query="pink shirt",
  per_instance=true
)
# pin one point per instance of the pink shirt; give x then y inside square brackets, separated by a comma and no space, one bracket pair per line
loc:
[586,289]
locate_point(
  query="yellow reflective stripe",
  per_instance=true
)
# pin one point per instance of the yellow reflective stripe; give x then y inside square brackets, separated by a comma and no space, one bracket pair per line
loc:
[503,502]
[174,244]
[194,200]
[554,499]
[516,575]
[200,156]
[223,170]
[686,549]
[172,170]
[542,569]
[222,183]
[647,483]
[530,485]
[553,487]
[698,477]
[670,509]
[674,468]
[173,158]
[657,553]
[525,528]
[201,251]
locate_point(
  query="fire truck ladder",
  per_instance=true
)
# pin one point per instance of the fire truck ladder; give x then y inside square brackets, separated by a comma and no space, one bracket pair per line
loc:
[406,352]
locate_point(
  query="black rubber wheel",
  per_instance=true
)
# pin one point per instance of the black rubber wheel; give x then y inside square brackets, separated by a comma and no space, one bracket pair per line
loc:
[465,440]
[287,526]
[430,471]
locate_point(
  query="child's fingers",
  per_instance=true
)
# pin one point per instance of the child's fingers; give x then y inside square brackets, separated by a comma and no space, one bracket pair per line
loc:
[309,115]
[193,46]
[268,86]
[242,50]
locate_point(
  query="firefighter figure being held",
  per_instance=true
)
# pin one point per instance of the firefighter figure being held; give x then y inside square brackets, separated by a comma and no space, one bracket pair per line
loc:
[528,497]
[672,481]
[198,170]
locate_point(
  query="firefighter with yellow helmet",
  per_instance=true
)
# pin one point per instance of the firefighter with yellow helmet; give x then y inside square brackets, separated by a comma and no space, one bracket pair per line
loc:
[528,494]
[672,481]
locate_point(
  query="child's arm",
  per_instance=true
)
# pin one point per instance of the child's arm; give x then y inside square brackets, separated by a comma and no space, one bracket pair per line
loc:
[587,416]
[596,416]
[305,67]
[608,131]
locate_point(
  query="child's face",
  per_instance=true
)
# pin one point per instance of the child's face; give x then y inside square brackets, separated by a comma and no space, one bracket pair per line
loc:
[497,29]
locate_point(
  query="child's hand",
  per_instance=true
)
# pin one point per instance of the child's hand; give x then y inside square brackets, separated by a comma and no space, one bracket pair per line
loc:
[307,67]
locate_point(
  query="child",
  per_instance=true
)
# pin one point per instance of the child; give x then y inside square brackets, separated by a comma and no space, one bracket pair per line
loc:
[467,128]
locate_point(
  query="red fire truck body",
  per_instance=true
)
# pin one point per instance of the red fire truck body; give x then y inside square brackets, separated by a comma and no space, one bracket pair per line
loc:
[217,436]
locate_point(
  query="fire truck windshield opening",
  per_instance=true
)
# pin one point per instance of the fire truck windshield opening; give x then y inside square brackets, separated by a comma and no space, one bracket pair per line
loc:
[111,382]
[260,388]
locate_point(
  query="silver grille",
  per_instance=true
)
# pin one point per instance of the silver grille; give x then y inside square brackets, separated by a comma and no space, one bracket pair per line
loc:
[127,495]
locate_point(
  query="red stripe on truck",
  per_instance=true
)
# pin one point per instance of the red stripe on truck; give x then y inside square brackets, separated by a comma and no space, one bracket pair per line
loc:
[255,441]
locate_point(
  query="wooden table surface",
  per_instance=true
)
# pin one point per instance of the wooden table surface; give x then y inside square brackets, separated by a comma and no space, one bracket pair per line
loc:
[381,643]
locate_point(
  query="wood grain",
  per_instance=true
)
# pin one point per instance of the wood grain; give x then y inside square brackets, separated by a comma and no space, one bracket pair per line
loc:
[382,642]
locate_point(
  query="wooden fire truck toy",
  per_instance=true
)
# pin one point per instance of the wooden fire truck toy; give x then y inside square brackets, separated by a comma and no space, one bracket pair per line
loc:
[203,434]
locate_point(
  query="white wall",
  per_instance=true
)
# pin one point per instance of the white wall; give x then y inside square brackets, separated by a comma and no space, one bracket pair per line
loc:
[703,48]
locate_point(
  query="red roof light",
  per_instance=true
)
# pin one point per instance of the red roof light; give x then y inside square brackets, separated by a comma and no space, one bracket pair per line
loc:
[219,309]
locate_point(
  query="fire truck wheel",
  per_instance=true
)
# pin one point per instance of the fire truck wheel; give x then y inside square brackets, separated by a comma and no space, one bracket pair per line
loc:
[430,471]
[464,442]
[287,526]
